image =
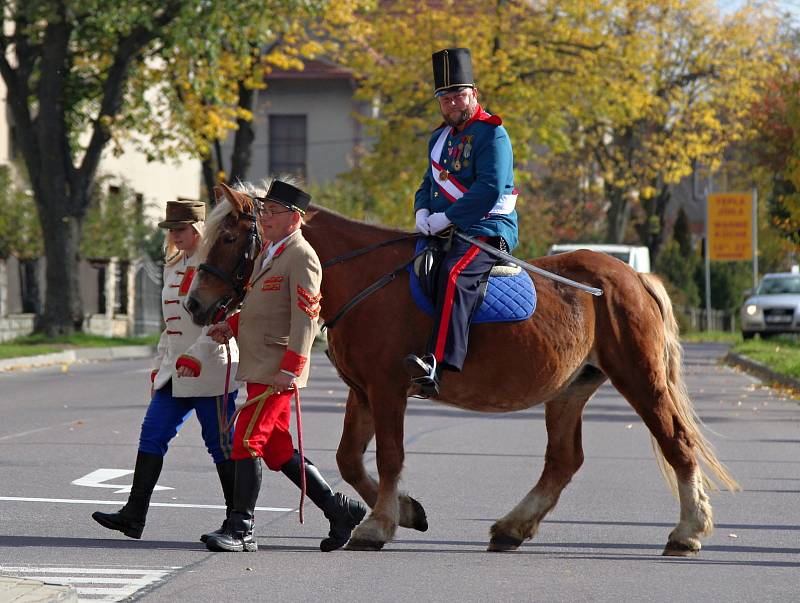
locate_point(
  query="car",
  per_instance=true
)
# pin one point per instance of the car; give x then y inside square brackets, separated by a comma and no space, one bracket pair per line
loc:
[774,307]
[636,256]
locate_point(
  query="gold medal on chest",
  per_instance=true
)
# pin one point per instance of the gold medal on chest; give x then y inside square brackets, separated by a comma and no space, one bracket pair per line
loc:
[443,175]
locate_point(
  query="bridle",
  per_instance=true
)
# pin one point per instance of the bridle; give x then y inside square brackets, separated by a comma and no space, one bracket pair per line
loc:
[237,278]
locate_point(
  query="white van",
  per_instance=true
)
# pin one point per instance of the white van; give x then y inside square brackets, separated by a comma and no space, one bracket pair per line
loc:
[637,257]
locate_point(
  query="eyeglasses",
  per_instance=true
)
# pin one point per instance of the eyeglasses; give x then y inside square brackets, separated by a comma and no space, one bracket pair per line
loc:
[263,208]
[272,212]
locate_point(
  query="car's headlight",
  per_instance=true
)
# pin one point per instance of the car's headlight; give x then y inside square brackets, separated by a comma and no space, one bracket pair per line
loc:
[750,309]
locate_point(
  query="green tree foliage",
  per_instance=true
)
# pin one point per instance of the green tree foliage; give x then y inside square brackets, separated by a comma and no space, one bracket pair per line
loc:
[678,262]
[114,226]
[20,233]
[81,74]
[729,281]
[207,81]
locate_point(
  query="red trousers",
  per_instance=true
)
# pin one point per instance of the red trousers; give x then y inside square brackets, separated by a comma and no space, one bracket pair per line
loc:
[262,429]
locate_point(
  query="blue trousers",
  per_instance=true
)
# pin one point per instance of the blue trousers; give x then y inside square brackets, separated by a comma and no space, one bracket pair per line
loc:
[166,414]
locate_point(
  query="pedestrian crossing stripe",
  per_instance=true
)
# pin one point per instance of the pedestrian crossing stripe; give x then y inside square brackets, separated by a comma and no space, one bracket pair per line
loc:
[106,584]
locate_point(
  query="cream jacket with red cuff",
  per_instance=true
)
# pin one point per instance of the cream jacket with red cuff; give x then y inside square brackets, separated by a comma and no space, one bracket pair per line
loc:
[278,320]
[184,343]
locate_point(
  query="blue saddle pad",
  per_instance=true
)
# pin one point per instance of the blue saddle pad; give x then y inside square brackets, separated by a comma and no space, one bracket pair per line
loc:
[508,298]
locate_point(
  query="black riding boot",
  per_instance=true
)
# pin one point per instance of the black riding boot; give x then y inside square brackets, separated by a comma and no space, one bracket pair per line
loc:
[227,475]
[342,513]
[424,372]
[238,533]
[130,519]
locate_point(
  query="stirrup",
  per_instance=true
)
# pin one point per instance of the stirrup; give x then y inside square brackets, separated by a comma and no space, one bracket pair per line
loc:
[418,368]
[428,385]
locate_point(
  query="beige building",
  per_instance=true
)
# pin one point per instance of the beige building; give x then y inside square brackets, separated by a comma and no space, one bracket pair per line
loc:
[305,124]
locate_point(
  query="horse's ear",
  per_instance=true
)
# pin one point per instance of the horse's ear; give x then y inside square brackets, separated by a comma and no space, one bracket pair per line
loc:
[309,215]
[223,190]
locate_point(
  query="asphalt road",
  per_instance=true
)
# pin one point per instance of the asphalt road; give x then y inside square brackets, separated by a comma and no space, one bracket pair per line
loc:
[602,542]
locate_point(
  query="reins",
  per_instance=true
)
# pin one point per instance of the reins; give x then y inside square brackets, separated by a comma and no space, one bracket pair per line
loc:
[259,398]
[380,283]
[362,250]
[237,281]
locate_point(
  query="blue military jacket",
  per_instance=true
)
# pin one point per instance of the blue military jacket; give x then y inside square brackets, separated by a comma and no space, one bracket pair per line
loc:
[478,162]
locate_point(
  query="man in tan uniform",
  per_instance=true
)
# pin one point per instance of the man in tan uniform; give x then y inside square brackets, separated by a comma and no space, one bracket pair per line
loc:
[275,329]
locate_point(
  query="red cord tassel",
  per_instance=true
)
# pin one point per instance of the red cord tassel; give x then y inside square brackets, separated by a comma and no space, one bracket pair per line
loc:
[300,449]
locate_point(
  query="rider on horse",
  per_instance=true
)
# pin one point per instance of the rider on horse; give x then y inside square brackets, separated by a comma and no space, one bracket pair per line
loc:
[468,185]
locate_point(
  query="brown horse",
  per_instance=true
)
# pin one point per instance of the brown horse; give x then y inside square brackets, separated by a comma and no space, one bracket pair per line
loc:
[558,357]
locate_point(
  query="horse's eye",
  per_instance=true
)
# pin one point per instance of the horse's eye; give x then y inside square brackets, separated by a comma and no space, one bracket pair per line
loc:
[229,238]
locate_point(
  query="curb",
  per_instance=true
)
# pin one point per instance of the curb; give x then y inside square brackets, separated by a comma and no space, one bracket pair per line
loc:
[123,352]
[23,590]
[761,371]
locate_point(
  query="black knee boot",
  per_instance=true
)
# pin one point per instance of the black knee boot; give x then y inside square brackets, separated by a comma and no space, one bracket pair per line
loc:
[342,513]
[130,519]
[227,475]
[238,533]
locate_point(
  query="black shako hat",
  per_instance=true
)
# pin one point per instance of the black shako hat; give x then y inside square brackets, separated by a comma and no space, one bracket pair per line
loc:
[452,69]
[288,196]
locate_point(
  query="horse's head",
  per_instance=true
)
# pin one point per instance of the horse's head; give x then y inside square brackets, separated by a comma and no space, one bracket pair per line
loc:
[231,243]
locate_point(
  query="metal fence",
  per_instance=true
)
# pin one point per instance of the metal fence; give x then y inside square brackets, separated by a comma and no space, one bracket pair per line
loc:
[697,319]
[147,289]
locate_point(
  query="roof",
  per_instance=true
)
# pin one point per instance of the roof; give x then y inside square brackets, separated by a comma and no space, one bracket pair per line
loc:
[315,69]
[781,275]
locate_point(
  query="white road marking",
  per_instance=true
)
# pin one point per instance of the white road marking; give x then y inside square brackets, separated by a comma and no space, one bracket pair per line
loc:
[25,433]
[84,570]
[87,581]
[119,503]
[96,478]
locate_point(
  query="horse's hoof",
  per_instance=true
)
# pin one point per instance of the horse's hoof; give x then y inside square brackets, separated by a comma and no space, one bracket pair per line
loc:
[419,518]
[361,544]
[677,549]
[502,542]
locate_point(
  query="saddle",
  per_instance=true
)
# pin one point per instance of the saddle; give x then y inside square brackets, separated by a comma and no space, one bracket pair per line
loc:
[507,295]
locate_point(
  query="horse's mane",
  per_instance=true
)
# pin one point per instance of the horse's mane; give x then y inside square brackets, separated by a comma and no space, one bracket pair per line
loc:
[221,210]
[212,227]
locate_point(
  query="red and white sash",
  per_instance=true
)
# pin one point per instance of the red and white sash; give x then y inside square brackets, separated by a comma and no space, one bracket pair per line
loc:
[453,190]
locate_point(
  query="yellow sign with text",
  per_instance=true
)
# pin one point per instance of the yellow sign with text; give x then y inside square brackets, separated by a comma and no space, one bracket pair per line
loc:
[730,226]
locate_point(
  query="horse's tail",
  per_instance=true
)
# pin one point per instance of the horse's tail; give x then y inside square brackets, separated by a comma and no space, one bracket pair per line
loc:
[673,354]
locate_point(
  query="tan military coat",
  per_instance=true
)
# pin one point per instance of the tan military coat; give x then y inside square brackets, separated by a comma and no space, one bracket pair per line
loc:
[185,343]
[278,320]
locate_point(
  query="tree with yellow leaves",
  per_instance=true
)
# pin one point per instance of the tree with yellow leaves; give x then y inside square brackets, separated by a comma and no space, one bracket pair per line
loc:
[678,95]
[208,85]
[622,96]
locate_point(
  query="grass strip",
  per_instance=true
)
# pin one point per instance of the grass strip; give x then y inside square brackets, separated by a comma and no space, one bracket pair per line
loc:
[33,345]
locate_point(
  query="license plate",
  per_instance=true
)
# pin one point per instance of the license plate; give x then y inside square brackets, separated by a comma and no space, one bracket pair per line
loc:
[778,318]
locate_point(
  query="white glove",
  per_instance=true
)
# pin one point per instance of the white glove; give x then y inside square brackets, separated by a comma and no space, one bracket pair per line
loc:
[438,222]
[422,221]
